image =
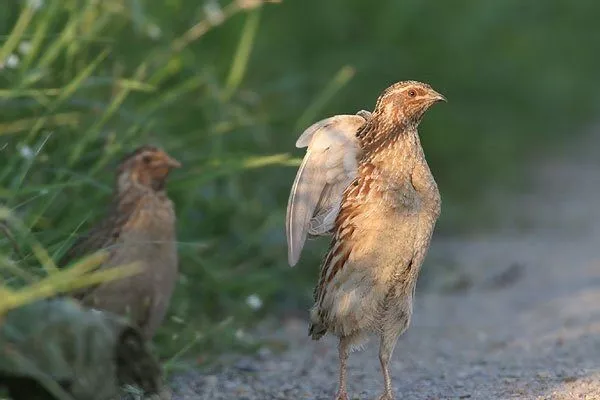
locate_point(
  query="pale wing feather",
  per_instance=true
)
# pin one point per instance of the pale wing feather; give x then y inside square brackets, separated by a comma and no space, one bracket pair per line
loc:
[303,199]
[339,176]
[328,167]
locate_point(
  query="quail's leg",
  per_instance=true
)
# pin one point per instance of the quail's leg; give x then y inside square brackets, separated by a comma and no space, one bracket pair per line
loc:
[344,350]
[386,348]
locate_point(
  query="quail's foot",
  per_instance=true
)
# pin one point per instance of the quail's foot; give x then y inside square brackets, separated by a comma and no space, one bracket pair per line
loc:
[342,395]
[386,396]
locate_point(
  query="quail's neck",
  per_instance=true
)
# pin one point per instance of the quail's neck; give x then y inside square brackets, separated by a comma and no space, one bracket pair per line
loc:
[382,131]
[131,193]
[382,134]
[394,154]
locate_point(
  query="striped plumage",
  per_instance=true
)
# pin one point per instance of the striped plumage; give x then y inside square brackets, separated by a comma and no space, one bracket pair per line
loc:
[382,224]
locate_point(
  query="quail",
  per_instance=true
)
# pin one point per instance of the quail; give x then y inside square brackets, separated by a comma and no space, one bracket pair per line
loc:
[364,181]
[139,227]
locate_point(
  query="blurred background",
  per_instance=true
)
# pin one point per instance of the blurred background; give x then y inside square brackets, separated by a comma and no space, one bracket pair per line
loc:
[226,87]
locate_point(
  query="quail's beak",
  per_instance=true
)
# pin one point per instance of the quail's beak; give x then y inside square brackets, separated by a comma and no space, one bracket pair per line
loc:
[436,97]
[172,163]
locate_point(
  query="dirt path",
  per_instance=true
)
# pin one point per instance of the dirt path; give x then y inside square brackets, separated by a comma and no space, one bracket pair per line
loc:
[525,325]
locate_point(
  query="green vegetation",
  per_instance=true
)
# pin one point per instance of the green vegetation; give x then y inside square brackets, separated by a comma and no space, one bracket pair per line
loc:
[228,90]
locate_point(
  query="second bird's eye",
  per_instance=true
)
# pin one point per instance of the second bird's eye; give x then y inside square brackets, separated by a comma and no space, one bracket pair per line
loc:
[412,93]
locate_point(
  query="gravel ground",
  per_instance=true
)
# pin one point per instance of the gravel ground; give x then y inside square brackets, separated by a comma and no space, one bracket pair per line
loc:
[522,320]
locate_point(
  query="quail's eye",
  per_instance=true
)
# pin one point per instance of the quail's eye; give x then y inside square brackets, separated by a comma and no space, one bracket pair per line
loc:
[412,93]
[146,159]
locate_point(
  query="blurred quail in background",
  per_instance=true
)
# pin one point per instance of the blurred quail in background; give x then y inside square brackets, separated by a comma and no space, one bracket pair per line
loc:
[364,180]
[140,226]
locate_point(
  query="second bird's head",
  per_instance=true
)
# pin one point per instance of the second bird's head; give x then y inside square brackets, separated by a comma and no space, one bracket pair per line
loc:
[147,166]
[406,102]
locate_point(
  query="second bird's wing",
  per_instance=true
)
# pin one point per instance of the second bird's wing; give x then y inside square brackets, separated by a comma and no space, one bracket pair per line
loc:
[103,236]
[329,166]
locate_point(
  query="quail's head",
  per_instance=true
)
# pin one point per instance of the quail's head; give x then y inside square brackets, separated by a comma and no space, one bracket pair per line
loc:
[406,102]
[147,167]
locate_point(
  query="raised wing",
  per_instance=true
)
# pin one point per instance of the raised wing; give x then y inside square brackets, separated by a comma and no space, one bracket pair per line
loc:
[329,166]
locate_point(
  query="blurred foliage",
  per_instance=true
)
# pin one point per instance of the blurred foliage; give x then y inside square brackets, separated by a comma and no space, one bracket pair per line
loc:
[53,349]
[227,87]
[58,350]
[20,286]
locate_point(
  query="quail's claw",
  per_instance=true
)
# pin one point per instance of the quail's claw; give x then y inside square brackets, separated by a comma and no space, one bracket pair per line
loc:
[341,395]
[365,114]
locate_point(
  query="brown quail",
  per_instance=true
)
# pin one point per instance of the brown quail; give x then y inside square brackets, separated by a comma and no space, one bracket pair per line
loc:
[365,181]
[140,226]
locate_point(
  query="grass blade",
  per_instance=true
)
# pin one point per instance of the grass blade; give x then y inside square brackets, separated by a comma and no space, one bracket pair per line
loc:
[17,33]
[336,84]
[242,54]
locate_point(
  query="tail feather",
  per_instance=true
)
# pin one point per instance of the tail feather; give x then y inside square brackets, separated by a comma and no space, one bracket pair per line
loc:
[316,331]
[317,328]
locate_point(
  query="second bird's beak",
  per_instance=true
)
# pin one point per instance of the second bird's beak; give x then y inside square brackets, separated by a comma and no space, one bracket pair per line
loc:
[172,163]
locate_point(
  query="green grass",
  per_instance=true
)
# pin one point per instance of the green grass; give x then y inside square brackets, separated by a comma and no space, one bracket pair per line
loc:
[85,81]
[72,104]
[21,286]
